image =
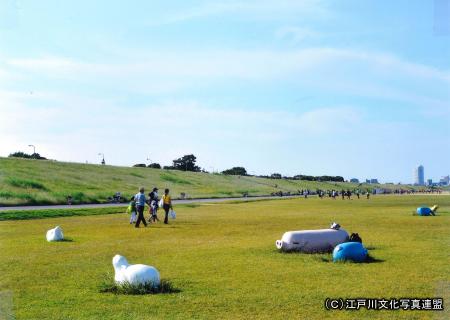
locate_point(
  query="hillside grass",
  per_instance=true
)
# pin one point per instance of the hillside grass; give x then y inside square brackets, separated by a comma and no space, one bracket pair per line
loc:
[222,261]
[37,182]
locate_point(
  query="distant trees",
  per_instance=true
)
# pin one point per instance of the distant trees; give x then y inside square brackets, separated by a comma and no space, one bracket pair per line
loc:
[185,163]
[151,165]
[319,178]
[21,154]
[275,176]
[238,171]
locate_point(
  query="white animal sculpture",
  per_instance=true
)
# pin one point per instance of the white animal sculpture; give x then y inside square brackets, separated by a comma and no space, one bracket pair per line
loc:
[134,274]
[312,240]
[55,234]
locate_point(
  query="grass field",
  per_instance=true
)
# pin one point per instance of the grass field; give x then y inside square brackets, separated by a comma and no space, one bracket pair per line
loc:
[49,182]
[222,259]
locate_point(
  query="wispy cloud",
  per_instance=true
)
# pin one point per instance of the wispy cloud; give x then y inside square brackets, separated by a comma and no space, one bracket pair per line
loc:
[250,9]
[183,123]
[296,35]
[352,72]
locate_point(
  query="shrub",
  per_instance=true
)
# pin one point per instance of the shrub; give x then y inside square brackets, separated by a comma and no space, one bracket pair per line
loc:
[238,171]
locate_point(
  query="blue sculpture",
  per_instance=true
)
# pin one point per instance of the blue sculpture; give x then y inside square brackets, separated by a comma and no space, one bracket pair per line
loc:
[353,251]
[425,211]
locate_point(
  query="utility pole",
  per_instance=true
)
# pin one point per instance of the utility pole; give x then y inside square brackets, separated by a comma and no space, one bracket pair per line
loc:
[103,158]
[34,148]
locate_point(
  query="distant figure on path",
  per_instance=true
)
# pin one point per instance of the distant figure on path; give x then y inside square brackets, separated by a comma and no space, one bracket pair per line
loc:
[368,194]
[343,194]
[140,204]
[167,205]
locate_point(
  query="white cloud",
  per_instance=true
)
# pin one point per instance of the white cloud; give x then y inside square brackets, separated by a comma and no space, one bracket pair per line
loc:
[77,129]
[330,70]
[258,64]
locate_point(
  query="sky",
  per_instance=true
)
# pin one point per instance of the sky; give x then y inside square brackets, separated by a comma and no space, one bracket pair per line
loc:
[354,88]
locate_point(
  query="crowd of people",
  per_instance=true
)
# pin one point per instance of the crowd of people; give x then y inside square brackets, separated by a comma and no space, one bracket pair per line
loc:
[345,194]
[138,202]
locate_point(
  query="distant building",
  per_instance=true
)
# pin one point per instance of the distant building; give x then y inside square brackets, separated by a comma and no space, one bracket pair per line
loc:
[374,181]
[354,180]
[445,181]
[367,180]
[429,182]
[419,176]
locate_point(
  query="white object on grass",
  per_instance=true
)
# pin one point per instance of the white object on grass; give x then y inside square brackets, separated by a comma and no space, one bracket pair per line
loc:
[173,214]
[55,234]
[312,240]
[134,274]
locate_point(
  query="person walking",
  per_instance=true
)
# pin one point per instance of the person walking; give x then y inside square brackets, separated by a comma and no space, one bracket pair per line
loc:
[167,205]
[140,205]
[153,205]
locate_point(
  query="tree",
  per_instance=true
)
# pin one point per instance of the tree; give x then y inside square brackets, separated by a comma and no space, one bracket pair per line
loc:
[24,155]
[238,171]
[275,176]
[154,166]
[186,163]
[140,165]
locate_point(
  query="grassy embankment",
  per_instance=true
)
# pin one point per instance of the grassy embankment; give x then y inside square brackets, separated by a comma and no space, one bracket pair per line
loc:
[49,182]
[222,259]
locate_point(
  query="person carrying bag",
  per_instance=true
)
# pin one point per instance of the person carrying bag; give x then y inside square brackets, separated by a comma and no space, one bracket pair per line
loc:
[166,204]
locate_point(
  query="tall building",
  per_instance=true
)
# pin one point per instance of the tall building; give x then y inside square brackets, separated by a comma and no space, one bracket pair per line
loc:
[419,176]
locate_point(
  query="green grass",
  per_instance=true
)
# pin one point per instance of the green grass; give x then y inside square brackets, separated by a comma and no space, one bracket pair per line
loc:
[24,181]
[110,286]
[222,260]
[52,213]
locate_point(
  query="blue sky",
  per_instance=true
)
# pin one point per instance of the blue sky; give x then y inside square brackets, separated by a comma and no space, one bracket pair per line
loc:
[353,88]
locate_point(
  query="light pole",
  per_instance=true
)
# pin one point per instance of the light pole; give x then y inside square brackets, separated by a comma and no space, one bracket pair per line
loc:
[148,159]
[103,158]
[34,148]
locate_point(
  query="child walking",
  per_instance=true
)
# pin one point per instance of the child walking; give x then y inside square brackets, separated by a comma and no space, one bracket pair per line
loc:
[132,209]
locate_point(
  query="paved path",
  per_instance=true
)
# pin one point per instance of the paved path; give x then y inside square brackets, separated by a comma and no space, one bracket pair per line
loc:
[106,205]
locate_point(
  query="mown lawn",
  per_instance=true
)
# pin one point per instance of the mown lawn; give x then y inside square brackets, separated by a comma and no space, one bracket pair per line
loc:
[223,260]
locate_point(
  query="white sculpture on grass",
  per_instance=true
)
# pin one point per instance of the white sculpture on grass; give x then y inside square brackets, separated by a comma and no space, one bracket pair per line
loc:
[55,234]
[134,274]
[310,241]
